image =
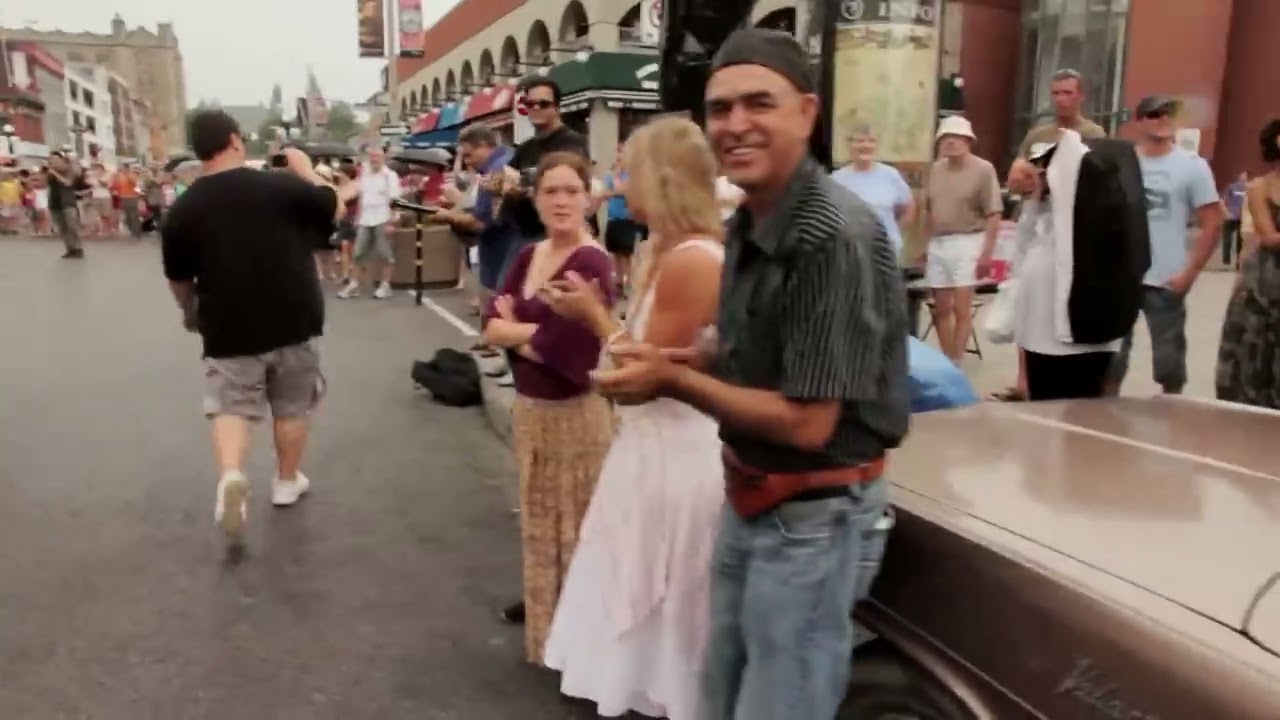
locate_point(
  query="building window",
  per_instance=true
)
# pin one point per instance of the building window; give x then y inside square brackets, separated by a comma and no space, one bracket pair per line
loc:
[1083,35]
[88,99]
[74,90]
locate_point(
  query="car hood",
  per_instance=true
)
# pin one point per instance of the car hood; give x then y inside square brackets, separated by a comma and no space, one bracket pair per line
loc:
[1180,498]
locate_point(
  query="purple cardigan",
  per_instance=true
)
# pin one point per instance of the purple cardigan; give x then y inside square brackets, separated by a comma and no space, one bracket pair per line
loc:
[569,350]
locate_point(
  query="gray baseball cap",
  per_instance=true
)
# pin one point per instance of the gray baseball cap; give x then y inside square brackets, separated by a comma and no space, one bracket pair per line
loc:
[1157,104]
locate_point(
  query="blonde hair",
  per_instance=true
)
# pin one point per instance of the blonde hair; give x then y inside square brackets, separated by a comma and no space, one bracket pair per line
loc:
[672,174]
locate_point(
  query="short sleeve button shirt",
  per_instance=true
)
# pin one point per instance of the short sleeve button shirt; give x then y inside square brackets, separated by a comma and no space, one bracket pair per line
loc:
[812,305]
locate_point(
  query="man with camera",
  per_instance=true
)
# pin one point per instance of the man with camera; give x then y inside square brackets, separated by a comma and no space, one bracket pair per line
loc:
[237,251]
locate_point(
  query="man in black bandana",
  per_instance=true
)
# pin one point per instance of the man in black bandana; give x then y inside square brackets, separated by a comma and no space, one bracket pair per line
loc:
[809,385]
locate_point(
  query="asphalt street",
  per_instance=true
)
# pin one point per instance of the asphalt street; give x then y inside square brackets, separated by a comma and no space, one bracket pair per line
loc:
[376,597]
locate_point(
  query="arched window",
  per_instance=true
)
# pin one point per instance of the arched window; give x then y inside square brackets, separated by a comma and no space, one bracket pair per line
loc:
[450,86]
[574,25]
[510,57]
[486,67]
[466,78]
[783,19]
[538,46]
[435,92]
[629,25]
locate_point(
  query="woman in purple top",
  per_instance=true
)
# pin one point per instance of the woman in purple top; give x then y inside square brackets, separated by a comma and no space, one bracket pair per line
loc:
[562,429]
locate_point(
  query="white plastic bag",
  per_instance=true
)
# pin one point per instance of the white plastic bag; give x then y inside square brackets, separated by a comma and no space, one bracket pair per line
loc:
[999,320]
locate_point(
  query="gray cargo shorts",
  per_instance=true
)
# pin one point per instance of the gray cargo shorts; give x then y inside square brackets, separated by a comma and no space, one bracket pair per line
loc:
[373,241]
[288,381]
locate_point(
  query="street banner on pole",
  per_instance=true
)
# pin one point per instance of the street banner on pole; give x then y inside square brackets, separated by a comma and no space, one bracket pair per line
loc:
[650,21]
[373,28]
[412,33]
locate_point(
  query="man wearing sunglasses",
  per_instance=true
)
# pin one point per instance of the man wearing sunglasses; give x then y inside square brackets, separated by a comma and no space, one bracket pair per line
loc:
[542,100]
[1181,193]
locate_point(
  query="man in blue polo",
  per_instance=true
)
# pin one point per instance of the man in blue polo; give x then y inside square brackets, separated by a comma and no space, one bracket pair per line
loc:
[494,226]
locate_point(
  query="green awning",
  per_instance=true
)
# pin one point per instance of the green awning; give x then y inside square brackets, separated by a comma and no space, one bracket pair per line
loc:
[607,71]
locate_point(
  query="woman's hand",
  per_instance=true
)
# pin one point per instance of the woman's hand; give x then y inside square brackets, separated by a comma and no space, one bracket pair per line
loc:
[505,306]
[576,298]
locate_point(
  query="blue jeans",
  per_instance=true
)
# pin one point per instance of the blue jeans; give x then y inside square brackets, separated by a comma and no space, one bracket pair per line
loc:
[783,587]
[1166,315]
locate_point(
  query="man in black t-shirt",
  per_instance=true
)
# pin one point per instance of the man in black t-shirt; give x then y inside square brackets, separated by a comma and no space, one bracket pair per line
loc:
[65,183]
[237,253]
[542,98]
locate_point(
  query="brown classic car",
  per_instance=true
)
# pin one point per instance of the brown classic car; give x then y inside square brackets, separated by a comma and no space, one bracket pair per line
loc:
[1104,560]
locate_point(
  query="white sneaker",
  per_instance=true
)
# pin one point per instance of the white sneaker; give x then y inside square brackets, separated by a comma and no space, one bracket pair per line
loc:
[350,290]
[288,492]
[230,510]
[383,292]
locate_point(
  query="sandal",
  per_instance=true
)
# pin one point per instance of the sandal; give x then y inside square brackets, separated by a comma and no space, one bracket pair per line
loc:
[1009,394]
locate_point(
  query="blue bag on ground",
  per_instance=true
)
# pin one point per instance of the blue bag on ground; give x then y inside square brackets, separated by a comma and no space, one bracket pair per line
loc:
[936,383]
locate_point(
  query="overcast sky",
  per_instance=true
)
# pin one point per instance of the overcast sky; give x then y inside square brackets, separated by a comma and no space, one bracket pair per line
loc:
[235,50]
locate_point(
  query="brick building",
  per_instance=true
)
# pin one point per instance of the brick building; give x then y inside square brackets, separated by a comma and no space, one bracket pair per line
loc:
[1218,56]
[149,63]
[21,107]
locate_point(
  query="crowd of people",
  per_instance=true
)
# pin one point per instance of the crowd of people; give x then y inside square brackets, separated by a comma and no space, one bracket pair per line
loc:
[75,198]
[702,479]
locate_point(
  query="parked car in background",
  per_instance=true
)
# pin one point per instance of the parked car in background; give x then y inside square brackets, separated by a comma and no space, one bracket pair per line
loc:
[1103,559]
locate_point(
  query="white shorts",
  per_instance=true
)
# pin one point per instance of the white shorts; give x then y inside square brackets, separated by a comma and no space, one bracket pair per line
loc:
[953,260]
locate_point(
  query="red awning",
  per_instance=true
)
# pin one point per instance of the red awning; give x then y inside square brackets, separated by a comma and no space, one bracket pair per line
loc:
[426,123]
[491,100]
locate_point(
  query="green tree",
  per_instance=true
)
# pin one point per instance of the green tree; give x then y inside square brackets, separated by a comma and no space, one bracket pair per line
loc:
[342,125]
[267,133]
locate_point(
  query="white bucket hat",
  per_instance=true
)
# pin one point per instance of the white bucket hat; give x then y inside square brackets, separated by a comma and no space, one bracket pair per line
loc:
[955,125]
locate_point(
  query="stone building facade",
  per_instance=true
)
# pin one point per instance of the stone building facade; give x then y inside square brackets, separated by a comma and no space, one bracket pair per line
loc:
[150,63]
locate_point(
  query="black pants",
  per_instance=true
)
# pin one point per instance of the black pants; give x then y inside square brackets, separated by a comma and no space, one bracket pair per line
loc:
[1231,238]
[1063,377]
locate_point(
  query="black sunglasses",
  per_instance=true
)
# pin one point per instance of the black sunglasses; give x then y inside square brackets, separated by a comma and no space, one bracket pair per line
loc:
[1156,114]
[539,104]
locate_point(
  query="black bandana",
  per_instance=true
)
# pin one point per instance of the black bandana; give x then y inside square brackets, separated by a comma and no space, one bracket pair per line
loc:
[772,49]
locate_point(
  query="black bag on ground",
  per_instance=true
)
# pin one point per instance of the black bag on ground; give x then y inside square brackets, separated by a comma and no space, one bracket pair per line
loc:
[451,377]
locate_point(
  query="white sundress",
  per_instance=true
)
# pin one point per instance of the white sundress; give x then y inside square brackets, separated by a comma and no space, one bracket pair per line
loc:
[631,627]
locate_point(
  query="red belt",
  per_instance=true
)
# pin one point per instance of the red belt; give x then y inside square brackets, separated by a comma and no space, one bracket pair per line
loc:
[754,492]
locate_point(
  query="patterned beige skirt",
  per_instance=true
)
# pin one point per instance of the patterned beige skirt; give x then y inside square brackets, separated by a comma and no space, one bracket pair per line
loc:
[560,446]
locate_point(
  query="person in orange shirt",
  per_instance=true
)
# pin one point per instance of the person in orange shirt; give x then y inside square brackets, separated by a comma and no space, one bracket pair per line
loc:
[125,187]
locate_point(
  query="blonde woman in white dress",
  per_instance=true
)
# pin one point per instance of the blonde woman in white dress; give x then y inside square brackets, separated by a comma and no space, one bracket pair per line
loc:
[632,621]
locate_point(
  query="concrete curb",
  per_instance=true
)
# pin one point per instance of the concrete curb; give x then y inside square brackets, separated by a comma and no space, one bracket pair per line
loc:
[498,399]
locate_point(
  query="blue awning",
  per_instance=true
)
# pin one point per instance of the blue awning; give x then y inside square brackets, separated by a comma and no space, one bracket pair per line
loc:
[444,137]
[450,116]
[454,113]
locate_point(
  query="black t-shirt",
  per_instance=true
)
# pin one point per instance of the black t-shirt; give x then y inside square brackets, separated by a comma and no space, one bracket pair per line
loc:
[61,195]
[527,156]
[245,238]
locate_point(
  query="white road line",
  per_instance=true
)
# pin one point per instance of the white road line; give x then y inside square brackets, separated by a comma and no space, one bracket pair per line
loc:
[463,326]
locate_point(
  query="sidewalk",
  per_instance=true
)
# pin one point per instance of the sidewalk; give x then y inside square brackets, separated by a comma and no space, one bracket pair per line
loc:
[998,368]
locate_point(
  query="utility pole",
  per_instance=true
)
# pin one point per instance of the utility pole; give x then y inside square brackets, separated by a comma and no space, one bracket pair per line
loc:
[393,54]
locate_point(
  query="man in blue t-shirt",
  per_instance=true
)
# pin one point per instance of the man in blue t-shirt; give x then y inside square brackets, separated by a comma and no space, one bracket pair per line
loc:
[494,226]
[1180,194]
